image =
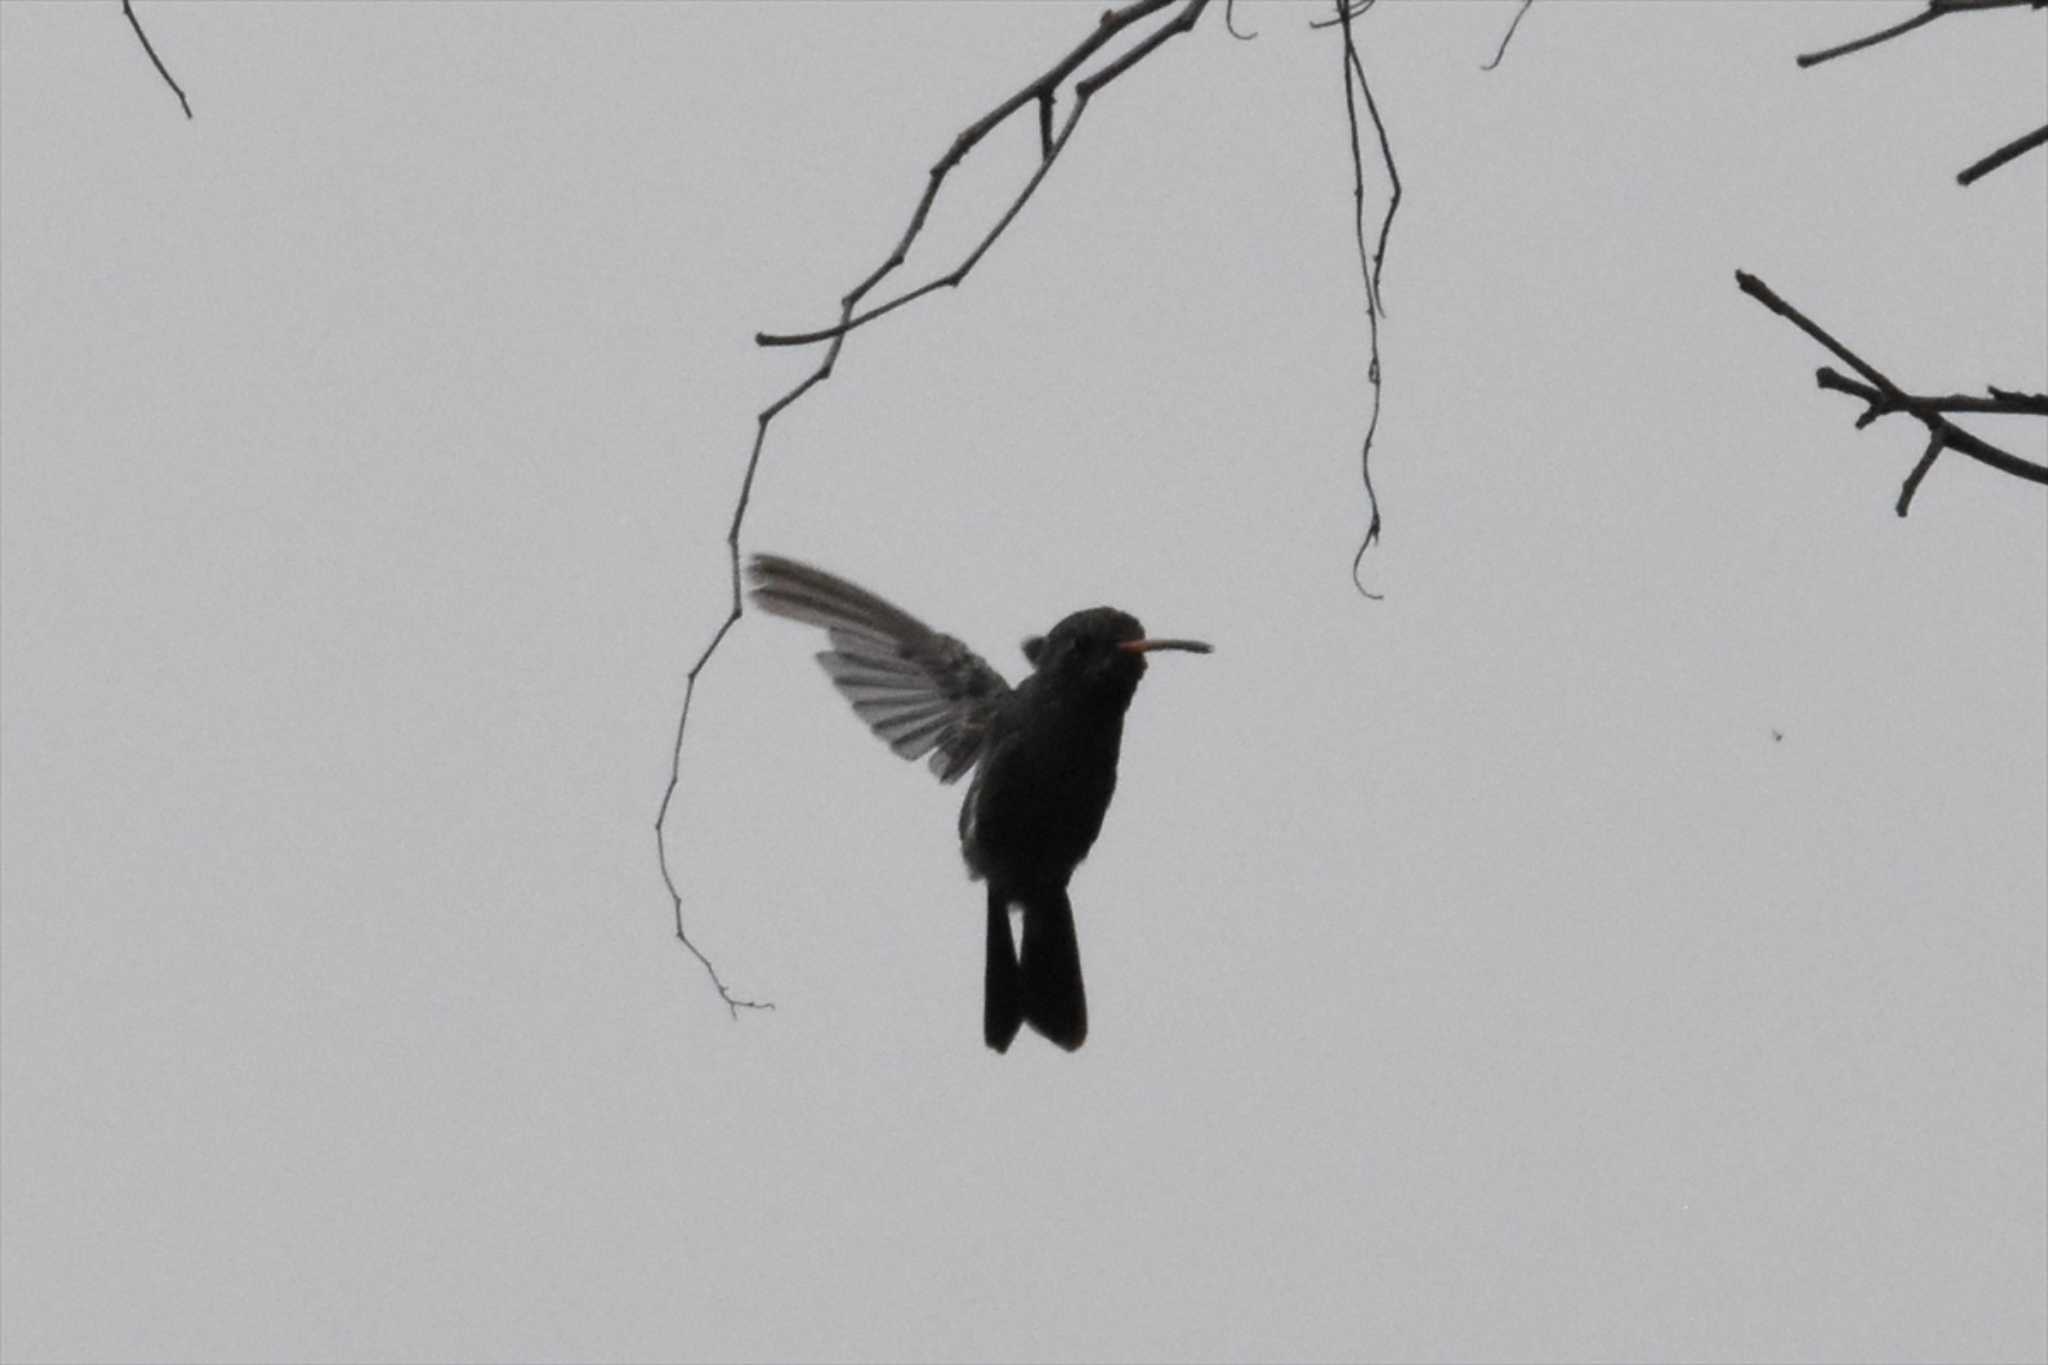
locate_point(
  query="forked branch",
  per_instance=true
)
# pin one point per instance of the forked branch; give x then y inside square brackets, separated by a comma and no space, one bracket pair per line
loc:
[1882,397]
[1936,9]
[2019,146]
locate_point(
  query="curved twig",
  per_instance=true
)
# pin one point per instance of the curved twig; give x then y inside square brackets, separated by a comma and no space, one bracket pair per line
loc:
[128,8]
[1507,37]
[1039,92]
[1940,9]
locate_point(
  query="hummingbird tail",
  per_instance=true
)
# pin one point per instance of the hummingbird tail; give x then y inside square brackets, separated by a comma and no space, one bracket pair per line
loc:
[1002,993]
[1050,970]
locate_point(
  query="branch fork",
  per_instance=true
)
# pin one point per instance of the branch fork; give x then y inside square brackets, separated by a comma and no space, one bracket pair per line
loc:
[1881,398]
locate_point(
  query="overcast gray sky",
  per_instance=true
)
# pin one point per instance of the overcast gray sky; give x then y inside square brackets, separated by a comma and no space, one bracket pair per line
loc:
[1473,975]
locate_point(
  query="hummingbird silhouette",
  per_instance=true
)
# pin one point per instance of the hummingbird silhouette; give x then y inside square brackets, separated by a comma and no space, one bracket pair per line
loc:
[1043,753]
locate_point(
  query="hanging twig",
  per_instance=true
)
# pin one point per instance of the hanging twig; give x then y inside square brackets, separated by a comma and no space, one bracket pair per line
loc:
[1926,16]
[128,8]
[1369,263]
[1040,93]
[1881,396]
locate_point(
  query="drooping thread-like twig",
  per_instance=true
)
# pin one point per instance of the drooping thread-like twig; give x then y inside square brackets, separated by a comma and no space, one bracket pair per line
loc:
[1881,396]
[1507,37]
[1936,9]
[1040,92]
[1369,263]
[128,8]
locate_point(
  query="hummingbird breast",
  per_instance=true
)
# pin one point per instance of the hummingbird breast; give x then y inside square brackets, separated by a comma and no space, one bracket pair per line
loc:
[1043,786]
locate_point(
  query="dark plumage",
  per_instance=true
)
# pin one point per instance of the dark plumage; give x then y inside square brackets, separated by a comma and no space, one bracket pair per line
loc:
[1044,756]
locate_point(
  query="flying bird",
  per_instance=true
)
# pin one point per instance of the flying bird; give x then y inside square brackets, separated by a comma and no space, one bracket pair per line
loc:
[1043,754]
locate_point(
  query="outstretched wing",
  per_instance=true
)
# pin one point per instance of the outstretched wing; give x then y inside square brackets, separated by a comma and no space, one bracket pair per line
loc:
[922,692]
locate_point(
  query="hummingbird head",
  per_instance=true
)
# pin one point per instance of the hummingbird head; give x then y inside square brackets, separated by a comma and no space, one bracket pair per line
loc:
[1100,647]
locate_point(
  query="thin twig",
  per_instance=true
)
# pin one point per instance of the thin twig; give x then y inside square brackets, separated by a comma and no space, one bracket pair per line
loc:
[1379,251]
[1509,36]
[1936,9]
[128,9]
[1040,91]
[1912,485]
[2019,146]
[1883,396]
[1230,23]
[1368,265]
[1112,23]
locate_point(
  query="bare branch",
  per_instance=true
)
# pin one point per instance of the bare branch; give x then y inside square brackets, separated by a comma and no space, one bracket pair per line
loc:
[1112,23]
[2019,146]
[2003,401]
[1508,37]
[128,8]
[1230,22]
[1040,92]
[1882,396]
[1926,16]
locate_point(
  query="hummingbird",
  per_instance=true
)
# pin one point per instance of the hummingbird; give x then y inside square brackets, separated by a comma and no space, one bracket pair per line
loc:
[1043,754]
